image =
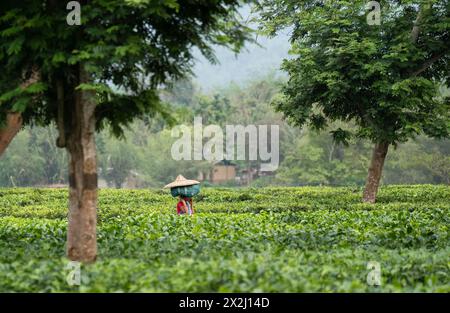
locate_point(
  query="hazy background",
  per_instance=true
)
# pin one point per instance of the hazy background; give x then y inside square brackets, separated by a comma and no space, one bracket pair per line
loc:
[254,61]
[237,90]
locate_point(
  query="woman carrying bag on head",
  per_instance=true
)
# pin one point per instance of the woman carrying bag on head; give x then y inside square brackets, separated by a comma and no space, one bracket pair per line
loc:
[185,189]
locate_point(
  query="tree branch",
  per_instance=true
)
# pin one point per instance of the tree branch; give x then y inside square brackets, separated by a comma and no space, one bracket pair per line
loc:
[61,141]
[14,119]
[427,64]
[416,29]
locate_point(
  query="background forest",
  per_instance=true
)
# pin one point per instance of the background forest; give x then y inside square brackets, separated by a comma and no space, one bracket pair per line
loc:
[143,159]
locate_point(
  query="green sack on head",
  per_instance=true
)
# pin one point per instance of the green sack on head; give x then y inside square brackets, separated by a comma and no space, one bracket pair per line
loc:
[185,191]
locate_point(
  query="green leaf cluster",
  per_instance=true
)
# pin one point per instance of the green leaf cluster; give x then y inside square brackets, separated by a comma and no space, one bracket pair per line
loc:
[377,77]
[248,240]
[129,48]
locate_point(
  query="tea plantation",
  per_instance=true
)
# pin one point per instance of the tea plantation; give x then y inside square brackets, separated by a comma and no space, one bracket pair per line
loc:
[240,240]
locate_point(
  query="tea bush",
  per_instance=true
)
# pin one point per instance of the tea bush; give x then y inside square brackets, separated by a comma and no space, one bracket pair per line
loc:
[240,240]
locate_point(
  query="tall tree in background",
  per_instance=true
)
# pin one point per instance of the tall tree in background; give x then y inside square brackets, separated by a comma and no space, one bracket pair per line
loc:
[133,44]
[384,78]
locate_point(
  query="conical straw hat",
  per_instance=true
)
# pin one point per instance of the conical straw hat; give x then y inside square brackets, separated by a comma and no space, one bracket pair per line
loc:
[181,181]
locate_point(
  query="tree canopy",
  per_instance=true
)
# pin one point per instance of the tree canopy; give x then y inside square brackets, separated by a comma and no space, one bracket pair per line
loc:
[384,78]
[380,77]
[129,47]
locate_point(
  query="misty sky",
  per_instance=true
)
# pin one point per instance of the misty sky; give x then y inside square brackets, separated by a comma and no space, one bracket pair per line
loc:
[252,62]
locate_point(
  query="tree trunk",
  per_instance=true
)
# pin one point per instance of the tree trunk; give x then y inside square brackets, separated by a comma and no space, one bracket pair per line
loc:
[81,234]
[14,119]
[12,127]
[376,167]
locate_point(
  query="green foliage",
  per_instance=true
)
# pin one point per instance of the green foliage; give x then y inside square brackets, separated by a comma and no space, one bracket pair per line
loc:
[156,162]
[248,240]
[315,159]
[416,160]
[144,159]
[215,110]
[24,166]
[118,160]
[33,159]
[129,48]
[377,77]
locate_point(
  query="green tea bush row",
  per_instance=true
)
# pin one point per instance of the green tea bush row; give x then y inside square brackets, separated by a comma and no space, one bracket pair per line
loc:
[270,239]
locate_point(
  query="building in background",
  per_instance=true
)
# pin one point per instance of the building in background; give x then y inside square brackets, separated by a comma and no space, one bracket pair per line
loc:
[221,172]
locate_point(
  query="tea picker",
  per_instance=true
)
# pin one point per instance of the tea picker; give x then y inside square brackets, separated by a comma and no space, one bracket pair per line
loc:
[185,189]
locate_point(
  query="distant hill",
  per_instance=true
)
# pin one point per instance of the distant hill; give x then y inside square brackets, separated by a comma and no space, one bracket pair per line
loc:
[253,61]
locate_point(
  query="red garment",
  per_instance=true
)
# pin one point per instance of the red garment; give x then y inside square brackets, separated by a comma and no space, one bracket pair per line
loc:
[180,205]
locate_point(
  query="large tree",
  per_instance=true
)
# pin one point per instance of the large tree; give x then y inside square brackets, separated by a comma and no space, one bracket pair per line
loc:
[104,72]
[383,78]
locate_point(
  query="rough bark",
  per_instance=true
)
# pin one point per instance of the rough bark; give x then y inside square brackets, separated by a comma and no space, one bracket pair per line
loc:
[10,130]
[61,141]
[416,28]
[376,167]
[81,234]
[14,119]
